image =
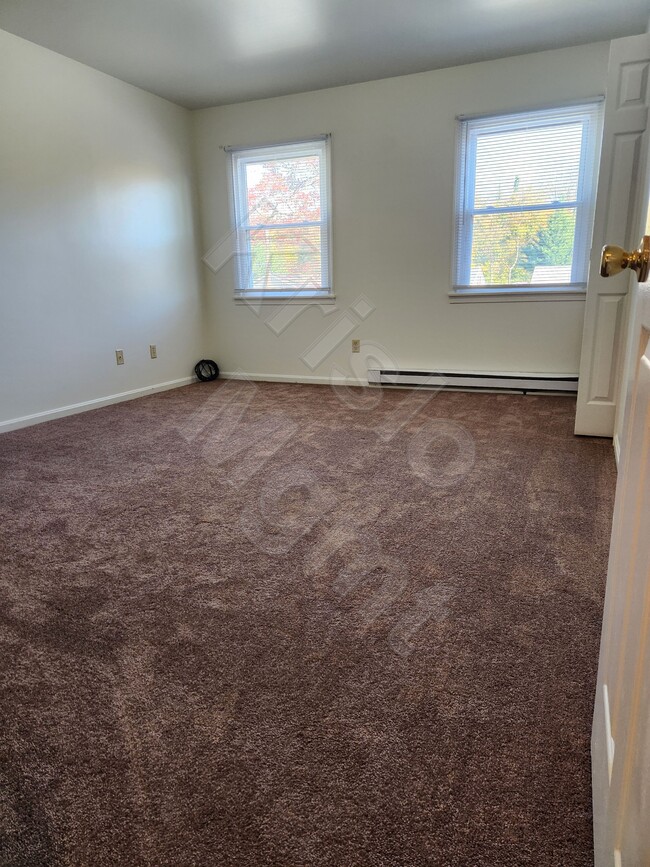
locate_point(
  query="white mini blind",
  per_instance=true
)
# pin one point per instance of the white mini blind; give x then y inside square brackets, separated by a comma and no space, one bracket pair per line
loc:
[282,218]
[525,196]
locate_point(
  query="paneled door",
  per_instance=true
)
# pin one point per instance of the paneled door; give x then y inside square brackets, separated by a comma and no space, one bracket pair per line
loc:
[625,135]
[621,729]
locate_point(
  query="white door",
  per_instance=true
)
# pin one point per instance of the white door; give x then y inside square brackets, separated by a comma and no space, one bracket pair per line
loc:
[616,221]
[621,731]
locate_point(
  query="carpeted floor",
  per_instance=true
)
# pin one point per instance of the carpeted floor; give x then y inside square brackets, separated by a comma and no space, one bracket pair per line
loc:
[278,625]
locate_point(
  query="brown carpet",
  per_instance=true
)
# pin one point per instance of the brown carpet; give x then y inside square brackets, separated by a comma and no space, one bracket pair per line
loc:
[266,625]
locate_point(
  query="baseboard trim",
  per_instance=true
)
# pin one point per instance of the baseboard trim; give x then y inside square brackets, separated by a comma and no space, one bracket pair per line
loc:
[290,378]
[617,449]
[95,403]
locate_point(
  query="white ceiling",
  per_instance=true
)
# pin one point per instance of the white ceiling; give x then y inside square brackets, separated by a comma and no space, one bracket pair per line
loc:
[212,52]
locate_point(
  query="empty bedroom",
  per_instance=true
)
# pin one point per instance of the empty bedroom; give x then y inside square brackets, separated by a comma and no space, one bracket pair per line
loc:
[324,433]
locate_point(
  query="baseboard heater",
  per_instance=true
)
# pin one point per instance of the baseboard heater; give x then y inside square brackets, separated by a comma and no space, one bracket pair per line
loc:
[523,382]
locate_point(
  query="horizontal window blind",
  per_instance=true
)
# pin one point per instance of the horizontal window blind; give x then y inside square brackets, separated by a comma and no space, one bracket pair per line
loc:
[524,198]
[281,199]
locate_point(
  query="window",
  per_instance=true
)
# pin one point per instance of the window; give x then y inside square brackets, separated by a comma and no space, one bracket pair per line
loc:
[525,195]
[282,219]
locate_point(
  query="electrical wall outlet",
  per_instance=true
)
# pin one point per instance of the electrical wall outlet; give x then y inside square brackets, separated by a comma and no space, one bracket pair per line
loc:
[356,346]
[119,356]
[153,352]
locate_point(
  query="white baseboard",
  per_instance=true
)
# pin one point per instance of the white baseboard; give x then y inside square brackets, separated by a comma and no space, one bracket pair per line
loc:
[96,403]
[617,449]
[287,377]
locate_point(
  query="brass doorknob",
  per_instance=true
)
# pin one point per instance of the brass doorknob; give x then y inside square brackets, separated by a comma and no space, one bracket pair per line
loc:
[614,259]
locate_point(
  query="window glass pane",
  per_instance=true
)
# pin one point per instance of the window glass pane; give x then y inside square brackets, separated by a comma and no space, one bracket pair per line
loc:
[525,197]
[284,190]
[282,215]
[523,247]
[528,166]
[287,259]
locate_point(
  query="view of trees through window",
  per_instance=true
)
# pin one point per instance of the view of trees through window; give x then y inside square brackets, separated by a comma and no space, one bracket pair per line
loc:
[524,204]
[284,222]
[508,247]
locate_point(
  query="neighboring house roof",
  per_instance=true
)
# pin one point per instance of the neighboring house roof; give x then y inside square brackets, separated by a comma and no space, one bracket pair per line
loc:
[551,274]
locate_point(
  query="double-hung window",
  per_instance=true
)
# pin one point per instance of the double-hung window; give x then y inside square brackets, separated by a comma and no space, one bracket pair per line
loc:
[281,200]
[525,191]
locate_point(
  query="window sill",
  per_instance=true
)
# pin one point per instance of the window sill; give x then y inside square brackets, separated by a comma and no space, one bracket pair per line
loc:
[553,293]
[284,298]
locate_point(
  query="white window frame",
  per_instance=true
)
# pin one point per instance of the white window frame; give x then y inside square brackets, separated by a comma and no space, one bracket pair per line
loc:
[589,113]
[240,158]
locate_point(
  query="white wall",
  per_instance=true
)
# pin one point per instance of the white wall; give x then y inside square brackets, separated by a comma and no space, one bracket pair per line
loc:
[97,240]
[393,147]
